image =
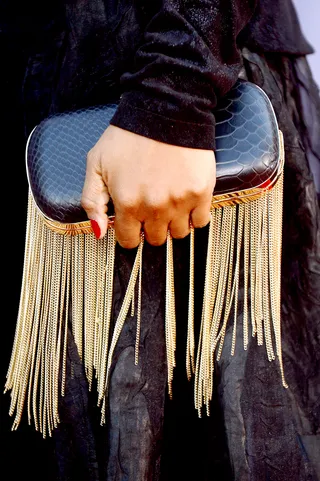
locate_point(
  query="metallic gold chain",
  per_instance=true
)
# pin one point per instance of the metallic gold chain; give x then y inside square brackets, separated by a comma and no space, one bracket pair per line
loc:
[170,318]
[79,270]
[104,345]
[237,274]
[229,291]
[123,315]
[136,350]
[190,360]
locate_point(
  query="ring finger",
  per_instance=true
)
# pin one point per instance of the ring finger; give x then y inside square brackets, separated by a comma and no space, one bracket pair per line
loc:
[180,226]
[155,231]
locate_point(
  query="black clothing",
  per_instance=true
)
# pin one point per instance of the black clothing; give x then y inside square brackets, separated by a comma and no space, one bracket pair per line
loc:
[74,53]
[171,59]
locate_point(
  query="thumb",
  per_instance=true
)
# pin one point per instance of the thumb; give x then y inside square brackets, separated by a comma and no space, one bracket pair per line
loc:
[94,200]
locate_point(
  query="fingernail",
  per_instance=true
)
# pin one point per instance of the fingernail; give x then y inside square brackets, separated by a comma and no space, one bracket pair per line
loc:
[95,228]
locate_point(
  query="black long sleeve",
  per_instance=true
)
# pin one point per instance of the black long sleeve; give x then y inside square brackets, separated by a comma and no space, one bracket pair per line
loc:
[188,58]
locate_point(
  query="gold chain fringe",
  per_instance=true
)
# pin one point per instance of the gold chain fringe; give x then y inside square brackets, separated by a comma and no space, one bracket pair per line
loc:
[63,272]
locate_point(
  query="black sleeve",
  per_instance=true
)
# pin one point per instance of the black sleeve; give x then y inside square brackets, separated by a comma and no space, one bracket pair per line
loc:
[188,59]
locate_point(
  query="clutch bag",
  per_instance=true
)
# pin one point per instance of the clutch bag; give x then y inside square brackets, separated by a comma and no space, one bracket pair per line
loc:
[66,269]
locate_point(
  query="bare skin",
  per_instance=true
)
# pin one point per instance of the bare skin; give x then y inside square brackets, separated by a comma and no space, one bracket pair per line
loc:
[153,185]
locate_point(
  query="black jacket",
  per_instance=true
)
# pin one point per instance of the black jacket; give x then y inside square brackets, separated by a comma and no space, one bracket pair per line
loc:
[168,59]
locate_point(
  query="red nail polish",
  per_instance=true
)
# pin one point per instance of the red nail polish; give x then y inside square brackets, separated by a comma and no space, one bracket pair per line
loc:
[95,228]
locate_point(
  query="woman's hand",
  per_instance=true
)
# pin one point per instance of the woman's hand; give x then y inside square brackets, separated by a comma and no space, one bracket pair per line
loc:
[158,185]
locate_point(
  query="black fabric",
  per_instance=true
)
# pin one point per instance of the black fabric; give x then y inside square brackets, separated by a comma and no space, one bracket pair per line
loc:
[170,59]
[187,57]
[275,28]
[257,431]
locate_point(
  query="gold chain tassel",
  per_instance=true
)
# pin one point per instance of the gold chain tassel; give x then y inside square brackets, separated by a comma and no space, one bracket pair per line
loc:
[190,361]
[104,326]
[258,225]
[58,270]
[170,314]
[137,266]
[79,270]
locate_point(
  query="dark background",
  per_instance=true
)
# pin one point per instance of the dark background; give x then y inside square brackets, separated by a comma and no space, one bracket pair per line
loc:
[24,454]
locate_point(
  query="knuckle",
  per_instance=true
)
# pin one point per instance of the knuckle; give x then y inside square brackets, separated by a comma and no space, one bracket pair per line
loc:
[156,206]
[155,215]
[126,204]
[91,155]
[87,204]
[202,186]
[128,207]
[199,191]
[180,198]
[196,193]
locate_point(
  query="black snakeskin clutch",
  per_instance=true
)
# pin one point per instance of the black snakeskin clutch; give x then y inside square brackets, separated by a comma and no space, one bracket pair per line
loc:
[247,155]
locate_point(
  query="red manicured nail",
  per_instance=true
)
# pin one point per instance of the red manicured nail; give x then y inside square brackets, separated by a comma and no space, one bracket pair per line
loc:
[95,228]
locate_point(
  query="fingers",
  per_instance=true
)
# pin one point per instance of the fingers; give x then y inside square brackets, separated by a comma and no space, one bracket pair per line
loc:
[180,226]
[127,230]
[94,200]
[200,215]
[156,215]
[155,231]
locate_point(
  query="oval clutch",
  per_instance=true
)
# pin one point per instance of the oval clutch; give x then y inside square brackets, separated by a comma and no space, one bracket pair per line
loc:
[248,152]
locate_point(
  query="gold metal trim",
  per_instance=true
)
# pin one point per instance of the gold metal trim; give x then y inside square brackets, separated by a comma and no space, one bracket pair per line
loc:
[68,229]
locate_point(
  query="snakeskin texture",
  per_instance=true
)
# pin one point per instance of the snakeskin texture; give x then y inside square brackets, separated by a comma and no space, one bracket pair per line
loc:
[247,152]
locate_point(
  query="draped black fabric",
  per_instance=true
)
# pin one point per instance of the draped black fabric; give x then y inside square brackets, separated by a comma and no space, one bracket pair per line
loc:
[168,59]
[257,430]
